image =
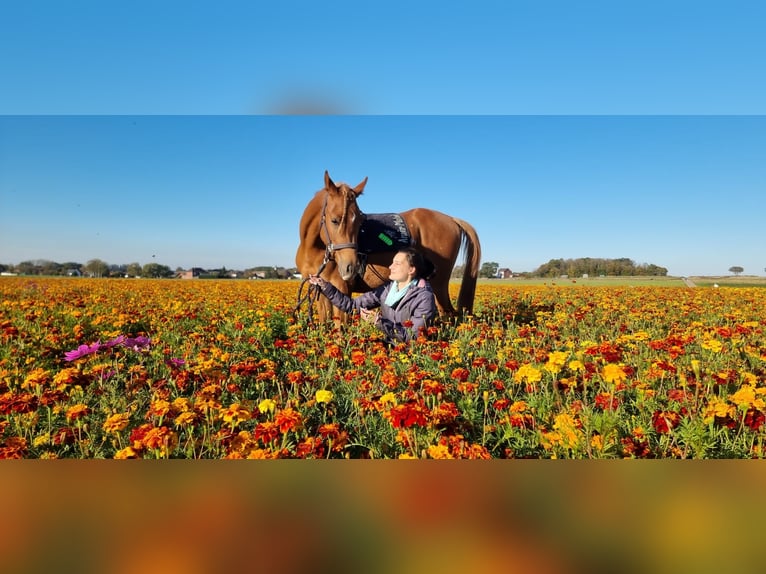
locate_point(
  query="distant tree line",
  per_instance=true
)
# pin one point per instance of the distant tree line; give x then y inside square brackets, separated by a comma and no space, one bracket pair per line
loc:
[99,268]
[596,267]
[93,268]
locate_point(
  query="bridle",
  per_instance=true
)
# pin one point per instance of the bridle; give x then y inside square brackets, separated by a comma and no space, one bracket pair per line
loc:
[313,291]
[331,247]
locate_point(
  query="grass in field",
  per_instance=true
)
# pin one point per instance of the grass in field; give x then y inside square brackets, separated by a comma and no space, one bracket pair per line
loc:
[723,281]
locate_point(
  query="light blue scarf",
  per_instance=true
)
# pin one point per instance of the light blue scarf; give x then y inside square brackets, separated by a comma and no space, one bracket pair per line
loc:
[395,295]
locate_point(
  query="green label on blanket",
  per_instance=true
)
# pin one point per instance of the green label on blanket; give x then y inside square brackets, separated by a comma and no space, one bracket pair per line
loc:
[385,239]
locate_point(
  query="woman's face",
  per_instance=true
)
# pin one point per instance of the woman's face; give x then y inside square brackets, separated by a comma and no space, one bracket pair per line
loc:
[401,271]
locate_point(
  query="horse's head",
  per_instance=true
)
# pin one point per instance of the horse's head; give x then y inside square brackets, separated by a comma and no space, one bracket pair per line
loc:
[341,221]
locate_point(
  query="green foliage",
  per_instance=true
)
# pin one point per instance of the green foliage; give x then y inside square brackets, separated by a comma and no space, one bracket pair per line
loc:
[595,267]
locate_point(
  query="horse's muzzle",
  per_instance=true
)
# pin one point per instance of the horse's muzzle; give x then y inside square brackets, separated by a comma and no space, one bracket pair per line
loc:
[347,270]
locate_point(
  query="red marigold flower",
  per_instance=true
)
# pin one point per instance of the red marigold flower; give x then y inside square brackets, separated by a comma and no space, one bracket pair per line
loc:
[460,374]
[288,420]
[512,365]
[607,401]
[334,351]
[407,415]
[266,432]
[296,377]
[432,387]
[445,413]
[14,447]
[138,433]
[664,421]
[65,435]
[501,404]
[754,419]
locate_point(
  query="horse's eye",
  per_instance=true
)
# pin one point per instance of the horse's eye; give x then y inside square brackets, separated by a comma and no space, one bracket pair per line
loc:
[335,221]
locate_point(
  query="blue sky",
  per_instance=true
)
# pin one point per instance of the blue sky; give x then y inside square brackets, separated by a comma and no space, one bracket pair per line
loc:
[395,57]
[161,131]
[683,192]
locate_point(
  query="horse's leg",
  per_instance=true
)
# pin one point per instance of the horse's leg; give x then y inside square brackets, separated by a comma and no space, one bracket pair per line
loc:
[440,286]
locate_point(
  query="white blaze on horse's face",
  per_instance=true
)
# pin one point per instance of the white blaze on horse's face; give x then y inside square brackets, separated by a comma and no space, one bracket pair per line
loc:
[343,219]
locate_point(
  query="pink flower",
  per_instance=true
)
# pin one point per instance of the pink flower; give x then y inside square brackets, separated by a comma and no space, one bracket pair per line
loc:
[82,351]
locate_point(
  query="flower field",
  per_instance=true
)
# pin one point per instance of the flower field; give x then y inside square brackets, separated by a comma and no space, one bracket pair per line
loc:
[154,369]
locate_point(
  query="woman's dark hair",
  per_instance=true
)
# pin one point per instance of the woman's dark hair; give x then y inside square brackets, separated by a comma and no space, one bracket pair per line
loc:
[424,269]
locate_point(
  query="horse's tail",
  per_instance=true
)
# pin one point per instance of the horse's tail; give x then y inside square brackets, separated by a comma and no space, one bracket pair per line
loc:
[472,258]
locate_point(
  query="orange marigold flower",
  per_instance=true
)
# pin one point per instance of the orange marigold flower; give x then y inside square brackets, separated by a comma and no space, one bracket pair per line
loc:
[76,412]
[466,388]
[288,420]
[116,423]
[161,439]
[358,357]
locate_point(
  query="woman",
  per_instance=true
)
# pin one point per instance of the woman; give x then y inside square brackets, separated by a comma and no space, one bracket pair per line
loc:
[401,307]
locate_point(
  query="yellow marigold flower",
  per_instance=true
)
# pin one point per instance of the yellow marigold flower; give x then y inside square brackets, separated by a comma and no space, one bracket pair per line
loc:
[407,456]
[550,439]
[182,404]
[125,453]
[527,373]
[388,398]
[717,408]
[267,406]
[696,367]
[576,365]
[751,379]
[439,451]
[37,377]
[597,442]
[323,396]
[567,427]
[186,418]
[556,361]
[613,374]
[236,414]
[116,423]
[745,398]
[713,345]
[42,440]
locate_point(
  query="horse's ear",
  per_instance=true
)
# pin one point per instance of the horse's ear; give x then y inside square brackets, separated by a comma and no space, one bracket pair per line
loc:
[360,188]
[329,184]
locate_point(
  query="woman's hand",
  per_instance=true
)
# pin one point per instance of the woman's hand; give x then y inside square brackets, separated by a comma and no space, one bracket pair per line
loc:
[316,280]
[369,315]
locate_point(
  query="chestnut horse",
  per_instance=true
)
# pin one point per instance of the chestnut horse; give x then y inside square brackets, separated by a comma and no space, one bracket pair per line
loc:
[330,245]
